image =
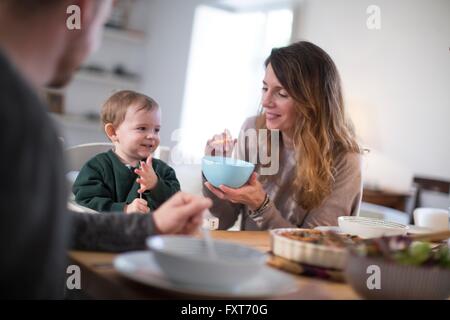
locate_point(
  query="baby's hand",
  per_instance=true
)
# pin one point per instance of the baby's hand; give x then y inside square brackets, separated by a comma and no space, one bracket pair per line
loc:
[147,176]
[137,206]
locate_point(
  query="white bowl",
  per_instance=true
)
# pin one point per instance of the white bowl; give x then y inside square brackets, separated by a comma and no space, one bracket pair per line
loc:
[370,227]
[305,252]
[186,260]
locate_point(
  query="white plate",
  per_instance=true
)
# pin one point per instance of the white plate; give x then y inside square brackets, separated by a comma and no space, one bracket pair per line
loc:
[365,227]
[413,229]
[328,228]
[140,266]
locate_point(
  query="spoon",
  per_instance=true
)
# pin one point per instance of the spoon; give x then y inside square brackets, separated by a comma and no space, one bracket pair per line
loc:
[212,254]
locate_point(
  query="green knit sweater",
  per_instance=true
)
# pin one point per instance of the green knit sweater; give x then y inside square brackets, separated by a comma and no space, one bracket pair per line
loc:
[106,184]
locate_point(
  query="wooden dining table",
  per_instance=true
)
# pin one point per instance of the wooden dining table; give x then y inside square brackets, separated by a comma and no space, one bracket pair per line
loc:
[99,279]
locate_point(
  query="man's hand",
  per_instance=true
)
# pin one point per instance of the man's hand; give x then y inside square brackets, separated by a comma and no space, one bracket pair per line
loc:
[147,176]
[181,214]
[137,206]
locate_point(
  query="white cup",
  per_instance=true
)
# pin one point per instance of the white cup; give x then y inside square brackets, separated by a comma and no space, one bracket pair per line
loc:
[432,218]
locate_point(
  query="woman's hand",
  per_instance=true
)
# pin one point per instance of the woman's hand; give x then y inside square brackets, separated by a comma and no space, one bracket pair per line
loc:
[251,194]
[147,176]
[181,214]
[220,145]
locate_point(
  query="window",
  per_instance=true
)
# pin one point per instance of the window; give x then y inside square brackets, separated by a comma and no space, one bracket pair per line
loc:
[225,71]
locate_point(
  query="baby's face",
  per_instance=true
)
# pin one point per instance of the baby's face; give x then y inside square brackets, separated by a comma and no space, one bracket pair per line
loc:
[138,134]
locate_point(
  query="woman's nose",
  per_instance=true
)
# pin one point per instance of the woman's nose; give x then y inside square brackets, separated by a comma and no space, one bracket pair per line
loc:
[266,100]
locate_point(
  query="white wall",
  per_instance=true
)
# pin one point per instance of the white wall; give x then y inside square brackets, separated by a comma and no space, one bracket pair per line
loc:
[161,59]
[169,29]
[396,79]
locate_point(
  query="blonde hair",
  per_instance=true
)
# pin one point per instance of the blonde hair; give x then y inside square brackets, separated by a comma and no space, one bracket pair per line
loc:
[322,133]
[115,108]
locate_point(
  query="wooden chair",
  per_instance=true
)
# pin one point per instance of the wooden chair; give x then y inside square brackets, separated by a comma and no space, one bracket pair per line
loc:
[423,185]
[371,210]
[429,184]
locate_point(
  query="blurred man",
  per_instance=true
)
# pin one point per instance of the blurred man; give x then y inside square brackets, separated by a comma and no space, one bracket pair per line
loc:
[38,49]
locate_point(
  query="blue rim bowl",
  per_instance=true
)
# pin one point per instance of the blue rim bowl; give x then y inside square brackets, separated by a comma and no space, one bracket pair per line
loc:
[230,172]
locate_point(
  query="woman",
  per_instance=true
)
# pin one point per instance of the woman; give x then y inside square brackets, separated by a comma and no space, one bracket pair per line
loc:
[319,176]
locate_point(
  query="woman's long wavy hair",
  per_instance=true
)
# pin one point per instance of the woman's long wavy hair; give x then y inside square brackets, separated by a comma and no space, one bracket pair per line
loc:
[322,133]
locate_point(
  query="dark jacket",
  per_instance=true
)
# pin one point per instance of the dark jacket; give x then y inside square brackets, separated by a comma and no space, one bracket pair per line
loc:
[106,184]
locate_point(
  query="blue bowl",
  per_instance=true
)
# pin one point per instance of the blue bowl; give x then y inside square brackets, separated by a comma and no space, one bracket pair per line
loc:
[230,172]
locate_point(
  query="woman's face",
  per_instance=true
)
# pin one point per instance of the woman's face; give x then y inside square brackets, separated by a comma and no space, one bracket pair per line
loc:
[277,103]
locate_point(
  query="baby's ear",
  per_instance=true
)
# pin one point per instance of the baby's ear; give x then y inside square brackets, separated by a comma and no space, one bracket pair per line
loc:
[110,131]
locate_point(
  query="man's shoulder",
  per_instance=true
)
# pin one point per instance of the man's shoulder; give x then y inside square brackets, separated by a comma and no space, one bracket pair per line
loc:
[15,91]
[21,108]
[18,101]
